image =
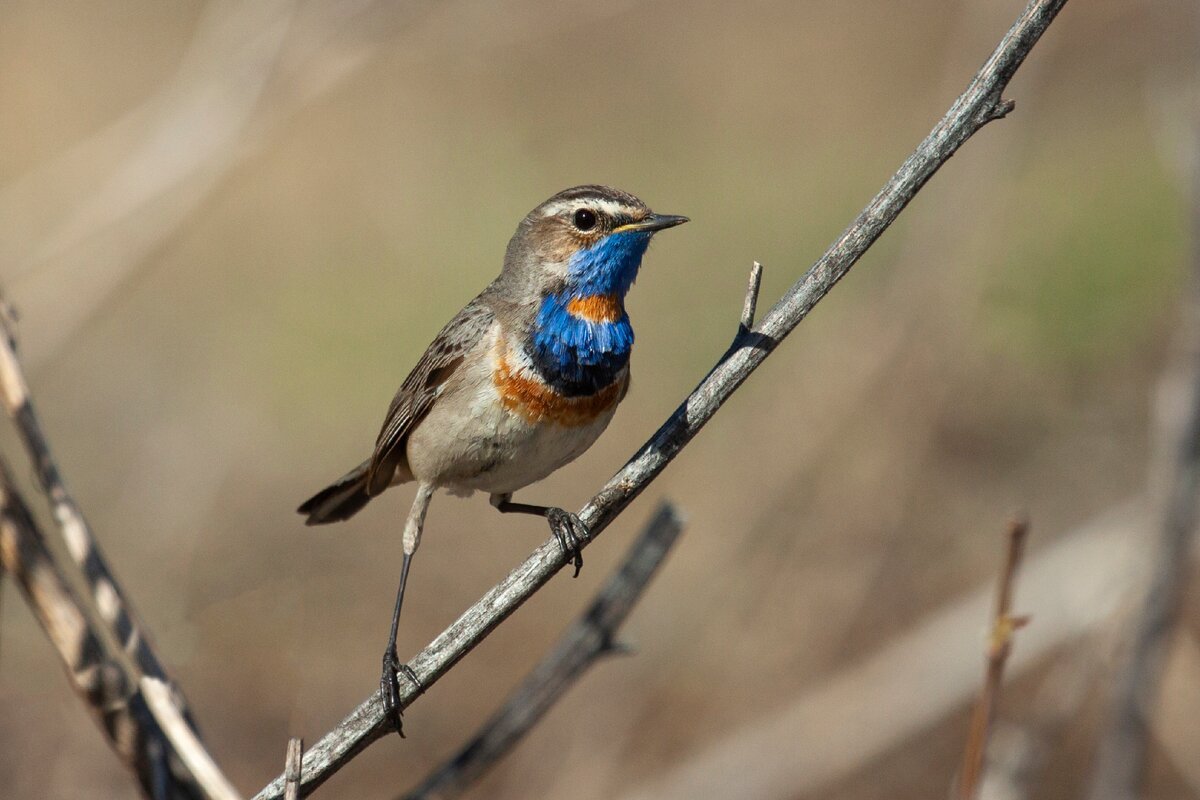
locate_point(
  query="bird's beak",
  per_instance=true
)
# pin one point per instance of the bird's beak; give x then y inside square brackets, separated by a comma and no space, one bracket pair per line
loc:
[651,223]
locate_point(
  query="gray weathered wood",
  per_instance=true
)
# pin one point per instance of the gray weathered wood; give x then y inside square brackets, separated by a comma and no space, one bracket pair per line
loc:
[161,732]
[108,598]
[292,768]
[94,671]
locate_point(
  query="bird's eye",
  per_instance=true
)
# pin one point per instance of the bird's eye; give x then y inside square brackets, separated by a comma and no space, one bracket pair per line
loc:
[584,219]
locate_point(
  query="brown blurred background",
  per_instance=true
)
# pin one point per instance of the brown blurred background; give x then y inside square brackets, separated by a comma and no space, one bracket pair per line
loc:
[231,227]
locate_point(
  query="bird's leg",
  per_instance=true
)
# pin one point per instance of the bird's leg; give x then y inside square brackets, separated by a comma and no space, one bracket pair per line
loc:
[389,681]
[567,528]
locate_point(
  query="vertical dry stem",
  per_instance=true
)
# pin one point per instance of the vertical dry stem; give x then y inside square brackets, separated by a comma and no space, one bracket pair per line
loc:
[999,646]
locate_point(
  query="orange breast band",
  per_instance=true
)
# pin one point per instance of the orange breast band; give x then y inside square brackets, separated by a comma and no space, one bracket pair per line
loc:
[537,402]
[596,307]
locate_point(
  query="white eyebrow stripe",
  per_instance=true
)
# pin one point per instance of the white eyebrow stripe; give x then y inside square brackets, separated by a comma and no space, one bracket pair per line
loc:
[557,208]
[610,207]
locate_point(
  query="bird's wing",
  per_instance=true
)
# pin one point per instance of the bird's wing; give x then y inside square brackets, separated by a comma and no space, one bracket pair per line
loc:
[421,387]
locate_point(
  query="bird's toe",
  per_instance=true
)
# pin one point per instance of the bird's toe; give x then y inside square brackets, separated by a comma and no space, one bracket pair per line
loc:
[571,533]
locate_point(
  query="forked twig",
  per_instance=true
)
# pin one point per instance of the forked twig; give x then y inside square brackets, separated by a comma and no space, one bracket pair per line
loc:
[980,104]
[591,636]
[1004,624]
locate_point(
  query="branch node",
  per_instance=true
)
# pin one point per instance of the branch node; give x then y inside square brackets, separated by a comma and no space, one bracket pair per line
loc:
[1001,109]
[615,647]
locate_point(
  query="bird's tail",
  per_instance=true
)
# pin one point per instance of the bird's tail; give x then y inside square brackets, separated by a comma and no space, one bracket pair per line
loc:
[340,501]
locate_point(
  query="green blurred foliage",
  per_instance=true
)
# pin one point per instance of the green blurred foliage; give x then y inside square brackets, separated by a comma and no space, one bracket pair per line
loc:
[1094,256]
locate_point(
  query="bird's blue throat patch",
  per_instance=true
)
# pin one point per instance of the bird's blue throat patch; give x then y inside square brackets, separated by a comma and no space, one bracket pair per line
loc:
[582,337]
[610,266]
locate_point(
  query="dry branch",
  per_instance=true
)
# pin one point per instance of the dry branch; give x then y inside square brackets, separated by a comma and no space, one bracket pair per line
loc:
[125,711]
[110,601]
[589,637]
[980,104]
[750,304]
[162,730]
[999,646]
[292,768]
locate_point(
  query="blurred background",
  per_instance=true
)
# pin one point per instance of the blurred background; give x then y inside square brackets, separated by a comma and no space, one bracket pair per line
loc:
[230,228]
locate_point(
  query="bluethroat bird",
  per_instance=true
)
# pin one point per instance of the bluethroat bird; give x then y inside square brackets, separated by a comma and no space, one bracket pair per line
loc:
[520,382]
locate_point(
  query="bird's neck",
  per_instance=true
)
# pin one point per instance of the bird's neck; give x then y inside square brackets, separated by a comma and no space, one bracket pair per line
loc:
[580,342]
[581,336]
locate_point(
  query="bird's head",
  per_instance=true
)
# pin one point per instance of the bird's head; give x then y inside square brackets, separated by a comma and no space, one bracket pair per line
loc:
[584,241]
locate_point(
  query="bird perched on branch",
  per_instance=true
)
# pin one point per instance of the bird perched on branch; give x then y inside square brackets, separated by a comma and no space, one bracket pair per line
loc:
[520,382]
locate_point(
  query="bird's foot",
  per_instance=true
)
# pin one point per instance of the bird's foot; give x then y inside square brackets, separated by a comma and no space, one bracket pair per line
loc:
[389,688]
[570,532]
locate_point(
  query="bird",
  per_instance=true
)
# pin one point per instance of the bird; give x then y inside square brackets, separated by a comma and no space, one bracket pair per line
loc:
[520,382]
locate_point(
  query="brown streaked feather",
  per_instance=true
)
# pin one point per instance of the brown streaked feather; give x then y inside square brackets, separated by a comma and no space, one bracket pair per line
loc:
[421,387]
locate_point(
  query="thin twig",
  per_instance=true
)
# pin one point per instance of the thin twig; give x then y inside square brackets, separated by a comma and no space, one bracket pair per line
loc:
[751,301]
[978,105]
[123,710]
[292,768]
[589,637]
[1004,624]
[1017,753]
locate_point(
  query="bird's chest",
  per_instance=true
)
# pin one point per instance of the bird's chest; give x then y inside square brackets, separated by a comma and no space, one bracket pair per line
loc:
[510,427]
[511,450]
[580,345]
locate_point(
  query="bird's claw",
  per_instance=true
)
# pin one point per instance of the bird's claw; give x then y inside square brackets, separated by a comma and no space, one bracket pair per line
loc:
[412,677]
[570,532]
[389,688]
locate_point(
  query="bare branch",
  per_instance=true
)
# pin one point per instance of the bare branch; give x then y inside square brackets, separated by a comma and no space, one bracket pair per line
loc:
[145,679]
[110,601]
[999,646]
[588,638]
[978,105]
[161,759]
[292,768]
